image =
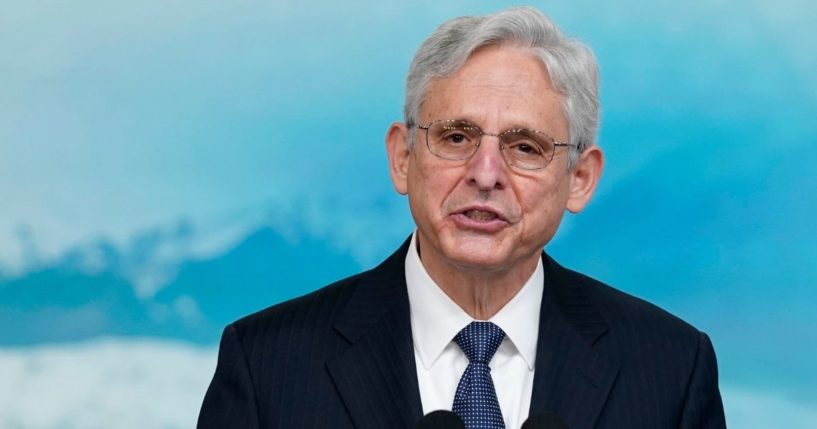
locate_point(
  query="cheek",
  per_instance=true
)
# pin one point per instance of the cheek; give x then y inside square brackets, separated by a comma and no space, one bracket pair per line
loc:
[430,186]
[543,206]
[423,199]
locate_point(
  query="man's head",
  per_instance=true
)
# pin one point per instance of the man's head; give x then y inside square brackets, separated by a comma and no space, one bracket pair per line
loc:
[493,208]
[570,64]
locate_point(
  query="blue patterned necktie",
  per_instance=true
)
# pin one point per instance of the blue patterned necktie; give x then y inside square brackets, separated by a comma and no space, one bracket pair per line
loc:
[475,401]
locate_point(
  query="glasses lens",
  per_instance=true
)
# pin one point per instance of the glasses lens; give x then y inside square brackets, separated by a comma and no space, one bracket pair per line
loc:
[528,149]
[454,140]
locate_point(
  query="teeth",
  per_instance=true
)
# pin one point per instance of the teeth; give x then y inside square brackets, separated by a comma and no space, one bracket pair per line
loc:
[480,215]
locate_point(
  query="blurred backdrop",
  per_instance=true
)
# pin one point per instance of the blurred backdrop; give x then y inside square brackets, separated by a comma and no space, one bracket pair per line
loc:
[169,166]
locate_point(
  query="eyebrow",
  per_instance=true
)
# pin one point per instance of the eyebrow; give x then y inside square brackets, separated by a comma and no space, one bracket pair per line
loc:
[514,125]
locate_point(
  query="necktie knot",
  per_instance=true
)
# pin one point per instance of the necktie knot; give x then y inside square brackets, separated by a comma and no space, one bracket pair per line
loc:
[479,341]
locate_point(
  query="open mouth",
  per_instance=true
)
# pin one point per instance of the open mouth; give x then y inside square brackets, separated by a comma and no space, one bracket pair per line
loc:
[480,215]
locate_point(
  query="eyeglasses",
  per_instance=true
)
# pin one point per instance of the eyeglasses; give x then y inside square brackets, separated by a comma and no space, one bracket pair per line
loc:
[458,140]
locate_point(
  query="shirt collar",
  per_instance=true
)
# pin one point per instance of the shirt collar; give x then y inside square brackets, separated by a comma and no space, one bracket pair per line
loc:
[436,319]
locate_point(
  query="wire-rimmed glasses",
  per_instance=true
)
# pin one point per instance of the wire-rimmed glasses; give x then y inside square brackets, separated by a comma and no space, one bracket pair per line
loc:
[458,140]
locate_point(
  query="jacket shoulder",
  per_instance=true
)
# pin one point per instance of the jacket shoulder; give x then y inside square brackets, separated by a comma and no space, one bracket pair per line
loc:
[276,357]
[626,315]
[315,311]
[665,362]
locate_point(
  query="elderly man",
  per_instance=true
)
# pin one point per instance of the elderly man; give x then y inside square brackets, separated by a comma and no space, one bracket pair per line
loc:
[470,315]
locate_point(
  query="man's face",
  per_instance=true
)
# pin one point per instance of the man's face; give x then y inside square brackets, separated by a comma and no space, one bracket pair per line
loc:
[481,214]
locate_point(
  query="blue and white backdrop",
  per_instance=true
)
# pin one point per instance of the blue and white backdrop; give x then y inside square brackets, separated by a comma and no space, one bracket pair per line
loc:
[167,166]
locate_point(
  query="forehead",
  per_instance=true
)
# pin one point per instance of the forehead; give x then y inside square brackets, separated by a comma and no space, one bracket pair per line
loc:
[498,86]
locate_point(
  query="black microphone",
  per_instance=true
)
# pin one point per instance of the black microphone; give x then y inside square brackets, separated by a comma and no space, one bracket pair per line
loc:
[440,419]
[545,420]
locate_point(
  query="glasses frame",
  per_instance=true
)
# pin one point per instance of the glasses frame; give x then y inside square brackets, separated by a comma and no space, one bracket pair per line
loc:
[556,143]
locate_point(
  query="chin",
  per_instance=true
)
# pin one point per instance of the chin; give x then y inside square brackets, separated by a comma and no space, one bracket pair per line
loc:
[485,255]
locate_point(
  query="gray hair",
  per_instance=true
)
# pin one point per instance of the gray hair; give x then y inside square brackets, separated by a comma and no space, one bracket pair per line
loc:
[570,64]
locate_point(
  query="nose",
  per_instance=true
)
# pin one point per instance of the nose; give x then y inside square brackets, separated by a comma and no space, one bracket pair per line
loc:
[486,168]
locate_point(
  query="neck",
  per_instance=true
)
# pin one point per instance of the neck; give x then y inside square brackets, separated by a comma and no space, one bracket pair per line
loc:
[479,291]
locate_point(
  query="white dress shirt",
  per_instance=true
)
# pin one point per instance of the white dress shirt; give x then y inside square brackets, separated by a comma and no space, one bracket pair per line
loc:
[436,319]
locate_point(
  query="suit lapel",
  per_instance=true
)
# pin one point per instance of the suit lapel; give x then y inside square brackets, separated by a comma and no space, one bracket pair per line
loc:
[571,379]
[376,375]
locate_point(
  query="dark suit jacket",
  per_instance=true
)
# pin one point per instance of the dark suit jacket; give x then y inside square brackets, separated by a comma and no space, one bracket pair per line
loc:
[342,357]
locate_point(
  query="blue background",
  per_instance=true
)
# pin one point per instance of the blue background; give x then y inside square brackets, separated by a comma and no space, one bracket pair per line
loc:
[166,167]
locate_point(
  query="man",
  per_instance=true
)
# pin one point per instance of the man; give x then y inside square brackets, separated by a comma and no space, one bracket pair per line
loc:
[469,314]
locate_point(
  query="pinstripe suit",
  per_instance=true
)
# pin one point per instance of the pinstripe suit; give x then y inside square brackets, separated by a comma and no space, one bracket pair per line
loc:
[342,357]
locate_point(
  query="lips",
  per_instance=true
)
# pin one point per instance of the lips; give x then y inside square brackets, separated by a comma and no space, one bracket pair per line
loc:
[480,219]
[480,215]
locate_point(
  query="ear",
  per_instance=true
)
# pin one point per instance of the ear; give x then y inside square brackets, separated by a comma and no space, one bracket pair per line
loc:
[397,149]
[584,177]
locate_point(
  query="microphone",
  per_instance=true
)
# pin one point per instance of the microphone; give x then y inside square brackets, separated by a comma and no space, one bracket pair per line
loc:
[546,420]
[440,419]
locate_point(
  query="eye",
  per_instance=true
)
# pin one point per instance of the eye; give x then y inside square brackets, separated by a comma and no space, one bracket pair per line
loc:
[456,138]
[525,148]
[457,135]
